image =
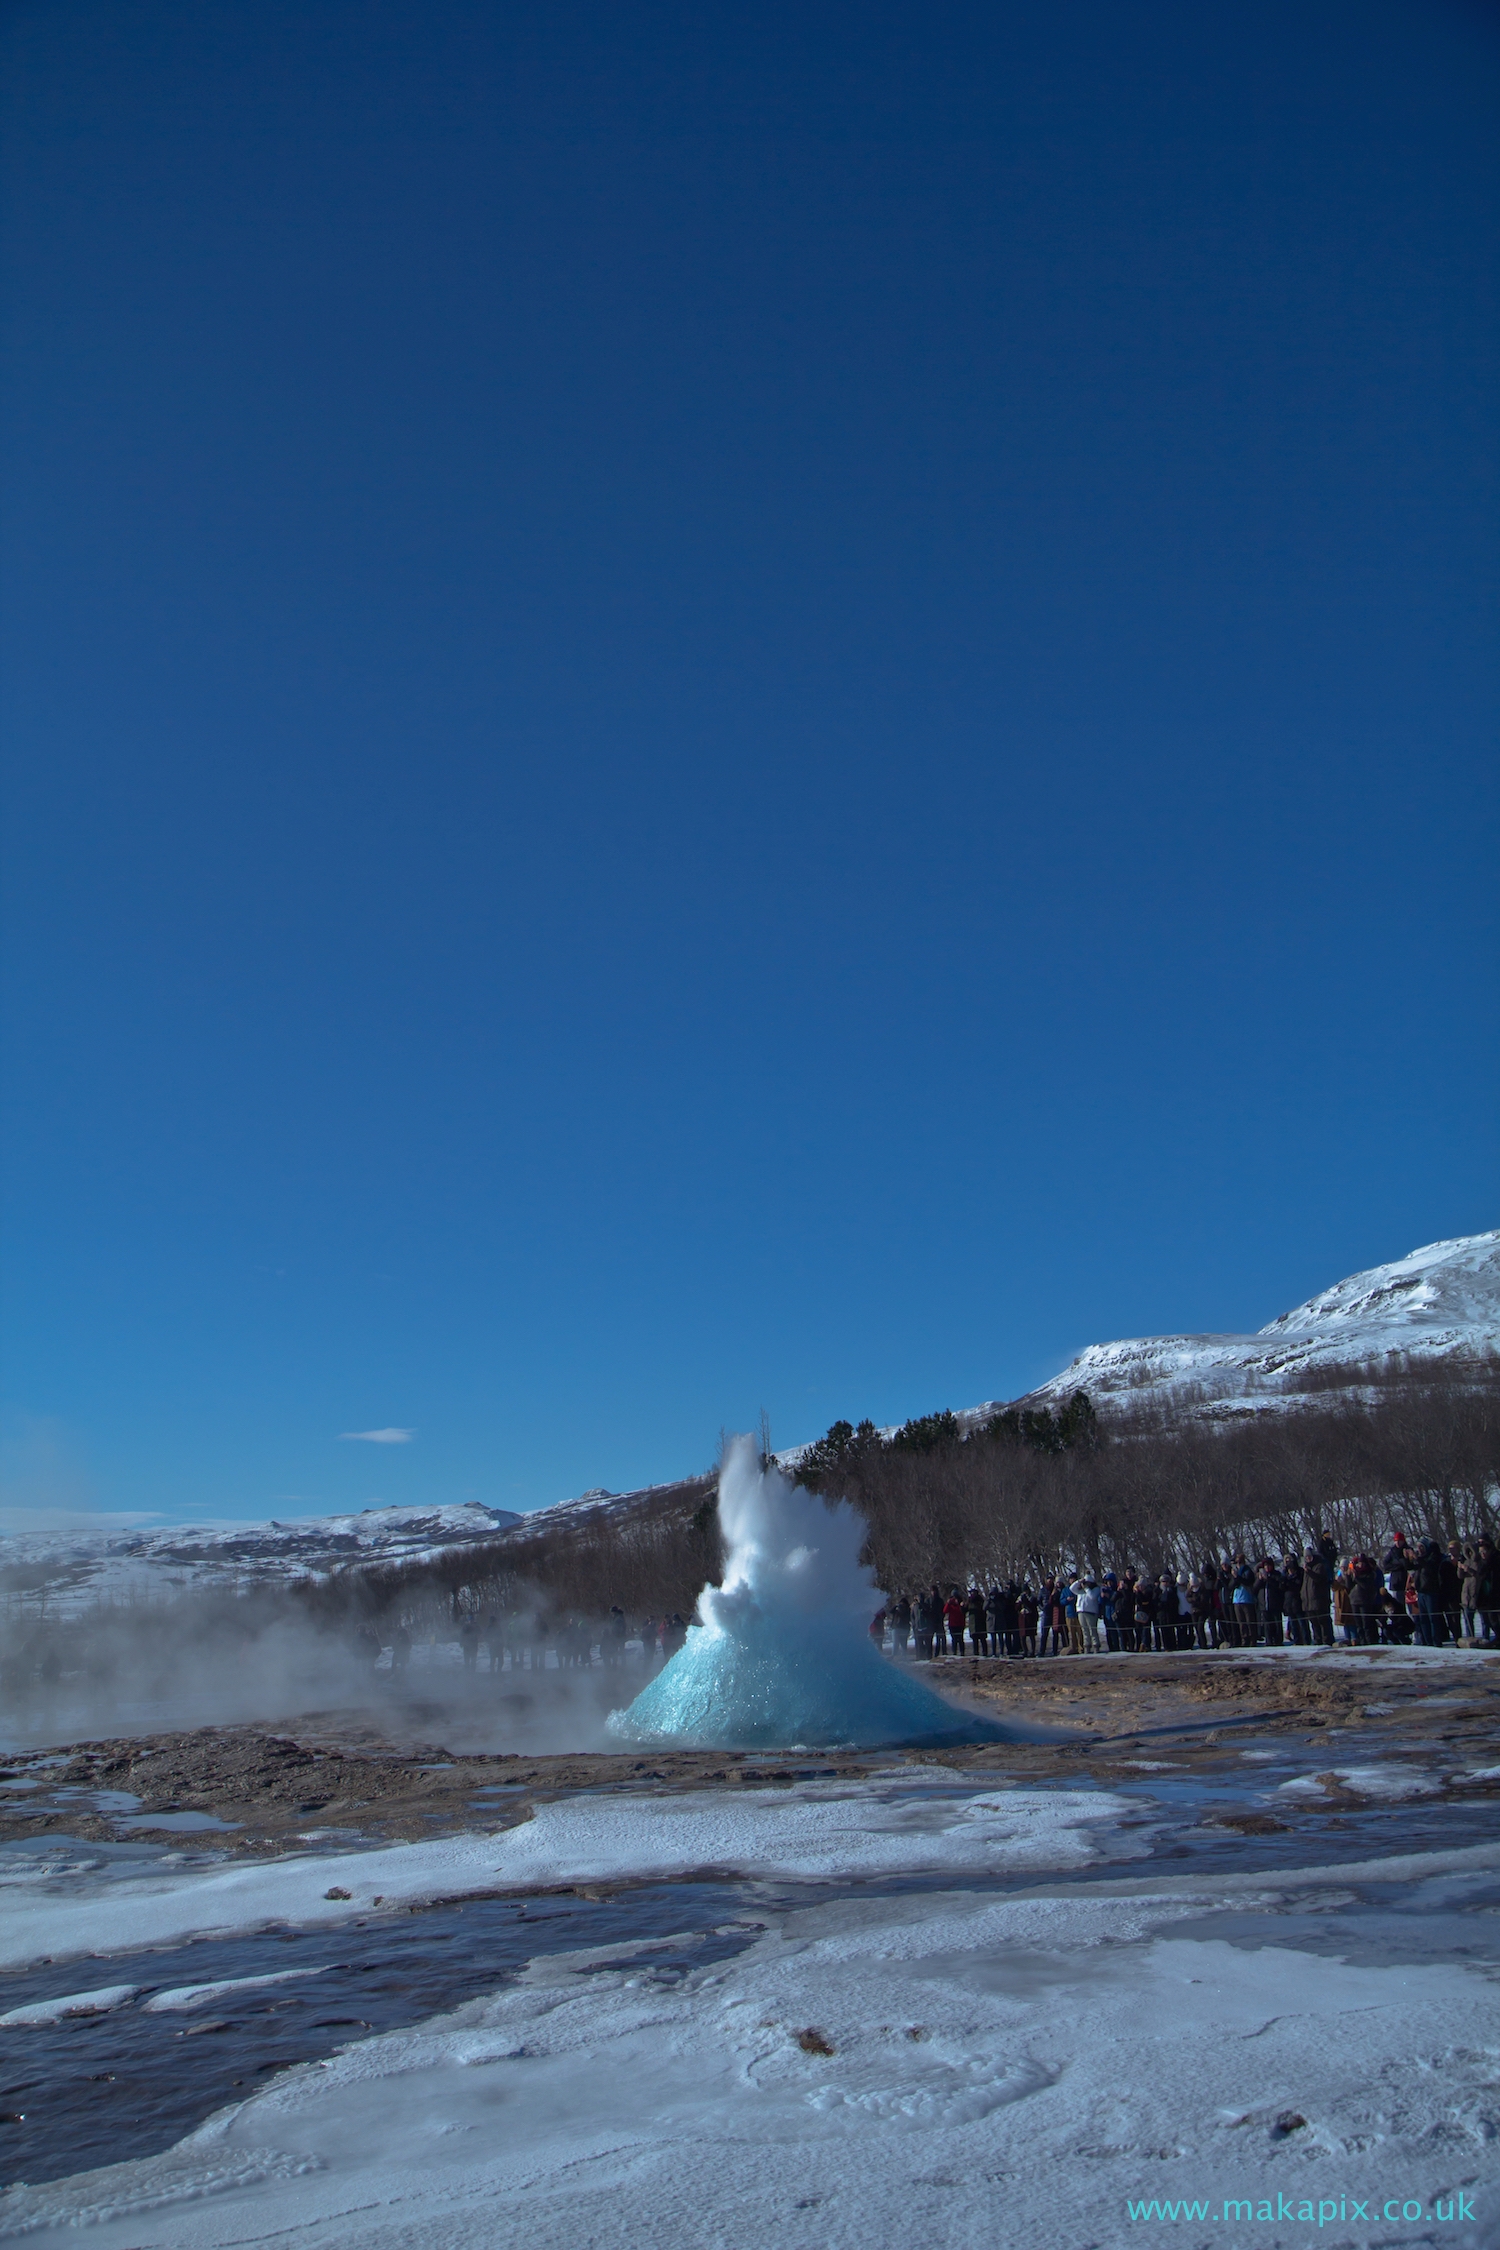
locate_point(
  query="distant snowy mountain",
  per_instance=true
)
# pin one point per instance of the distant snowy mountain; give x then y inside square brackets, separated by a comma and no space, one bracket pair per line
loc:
[1441,1303]
[77,1568]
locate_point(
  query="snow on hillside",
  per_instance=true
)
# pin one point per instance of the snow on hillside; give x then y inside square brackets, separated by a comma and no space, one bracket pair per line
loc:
[77,1567]
[68,1570]
[1441,1303]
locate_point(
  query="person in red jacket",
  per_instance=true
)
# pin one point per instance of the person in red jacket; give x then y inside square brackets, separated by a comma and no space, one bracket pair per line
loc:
[953,1618]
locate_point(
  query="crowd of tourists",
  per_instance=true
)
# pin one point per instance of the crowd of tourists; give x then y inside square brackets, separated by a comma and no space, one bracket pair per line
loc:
[1417,1592]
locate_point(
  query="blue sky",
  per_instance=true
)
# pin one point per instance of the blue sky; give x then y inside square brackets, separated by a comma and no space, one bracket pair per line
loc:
[710,710]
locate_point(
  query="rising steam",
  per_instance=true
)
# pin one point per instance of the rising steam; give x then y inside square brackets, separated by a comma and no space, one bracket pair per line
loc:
[781,1653]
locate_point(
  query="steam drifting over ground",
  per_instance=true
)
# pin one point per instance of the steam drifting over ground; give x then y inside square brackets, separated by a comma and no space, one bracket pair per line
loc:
[211,1658]
[781,1655]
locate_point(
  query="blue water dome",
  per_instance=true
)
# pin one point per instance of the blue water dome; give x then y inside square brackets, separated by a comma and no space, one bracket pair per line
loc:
[781,1656]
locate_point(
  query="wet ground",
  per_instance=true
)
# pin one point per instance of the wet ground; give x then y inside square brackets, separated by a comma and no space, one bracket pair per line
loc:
[391,1771]
[1234,1767]
[96,2088]
[254,1792]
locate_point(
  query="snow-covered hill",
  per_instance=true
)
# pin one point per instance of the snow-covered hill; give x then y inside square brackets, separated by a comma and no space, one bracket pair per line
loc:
[77,1568]
[1441,1303]
[68,1571]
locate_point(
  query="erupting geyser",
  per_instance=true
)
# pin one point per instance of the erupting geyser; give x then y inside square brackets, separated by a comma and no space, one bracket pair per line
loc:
[781,1653]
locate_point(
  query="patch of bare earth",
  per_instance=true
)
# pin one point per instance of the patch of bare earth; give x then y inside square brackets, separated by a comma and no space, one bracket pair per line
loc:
[1101,1716]
[280,1790]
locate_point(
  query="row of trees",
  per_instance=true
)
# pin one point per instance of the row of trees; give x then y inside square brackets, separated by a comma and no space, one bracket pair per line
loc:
[1021,1493]
[649,1554]
[1154,1488]
[1029,1489]
[846,1451]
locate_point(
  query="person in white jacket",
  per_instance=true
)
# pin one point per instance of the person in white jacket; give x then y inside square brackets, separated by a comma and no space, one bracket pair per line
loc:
[1090,1604]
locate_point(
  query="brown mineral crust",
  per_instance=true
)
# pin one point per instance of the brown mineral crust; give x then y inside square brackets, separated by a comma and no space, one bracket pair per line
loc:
[340,1776]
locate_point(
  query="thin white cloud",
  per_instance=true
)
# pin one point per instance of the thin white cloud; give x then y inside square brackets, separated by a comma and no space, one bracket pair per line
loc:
[379,1437]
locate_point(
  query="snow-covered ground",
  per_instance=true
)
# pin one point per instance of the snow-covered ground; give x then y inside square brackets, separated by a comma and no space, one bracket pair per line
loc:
[957,2062]
[818,1833]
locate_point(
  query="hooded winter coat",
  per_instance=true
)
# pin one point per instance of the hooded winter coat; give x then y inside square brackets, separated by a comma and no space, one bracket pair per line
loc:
[1429,1571]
